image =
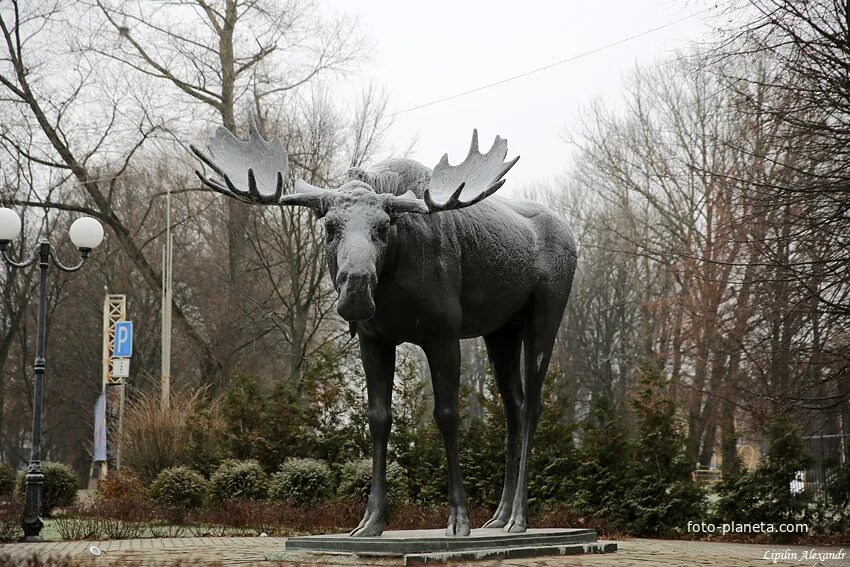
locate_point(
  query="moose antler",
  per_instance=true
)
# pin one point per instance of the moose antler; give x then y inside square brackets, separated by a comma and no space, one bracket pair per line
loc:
[260,163]
[455,187]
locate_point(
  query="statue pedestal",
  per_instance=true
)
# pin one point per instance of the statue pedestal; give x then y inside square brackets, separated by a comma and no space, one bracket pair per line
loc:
[427,546]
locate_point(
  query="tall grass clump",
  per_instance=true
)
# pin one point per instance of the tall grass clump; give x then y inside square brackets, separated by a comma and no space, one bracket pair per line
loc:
[155,438]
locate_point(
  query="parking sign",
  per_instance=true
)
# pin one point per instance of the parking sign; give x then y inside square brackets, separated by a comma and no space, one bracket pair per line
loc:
[123,346]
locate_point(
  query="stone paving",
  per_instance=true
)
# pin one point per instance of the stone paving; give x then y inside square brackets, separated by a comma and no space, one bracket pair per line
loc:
[252,550]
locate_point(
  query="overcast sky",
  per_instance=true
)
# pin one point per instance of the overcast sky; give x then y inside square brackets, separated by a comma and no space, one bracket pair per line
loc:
[430,49]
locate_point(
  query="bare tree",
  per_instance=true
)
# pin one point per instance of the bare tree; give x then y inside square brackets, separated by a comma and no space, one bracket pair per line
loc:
[48,110]
[15,286]
[809,42]
[219,57]
[215,58]
[689,266]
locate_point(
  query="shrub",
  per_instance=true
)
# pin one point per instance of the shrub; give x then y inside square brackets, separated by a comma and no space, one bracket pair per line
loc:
[302,481]
[179,486]
[10,518]
[418,444]
[663,496]
[59,489]
[641,486]
[105,519]
[206,448]
[7,480]
[737,494]
[764,495]
[123,484]
[238,480]
[355,481]
[598,487]
[242,409]
[555,461]
[830,509]
[285,430]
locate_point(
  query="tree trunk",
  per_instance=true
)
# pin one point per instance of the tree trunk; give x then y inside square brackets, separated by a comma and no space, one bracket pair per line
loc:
[237,213]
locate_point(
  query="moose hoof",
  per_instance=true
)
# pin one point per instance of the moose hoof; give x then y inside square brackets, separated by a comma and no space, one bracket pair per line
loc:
[495,523]
[371,525]
[370,529]
[457,529]
[514,527]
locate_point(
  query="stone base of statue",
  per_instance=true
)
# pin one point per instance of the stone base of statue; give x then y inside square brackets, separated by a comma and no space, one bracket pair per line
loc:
[428,546]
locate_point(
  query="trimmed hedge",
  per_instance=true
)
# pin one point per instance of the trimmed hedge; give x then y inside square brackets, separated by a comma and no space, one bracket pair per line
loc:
[302,481]
[179,486]
[355,481]
[59,489]
[238,480]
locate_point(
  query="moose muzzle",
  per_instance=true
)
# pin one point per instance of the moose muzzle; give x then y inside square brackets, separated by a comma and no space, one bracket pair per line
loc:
[356,296]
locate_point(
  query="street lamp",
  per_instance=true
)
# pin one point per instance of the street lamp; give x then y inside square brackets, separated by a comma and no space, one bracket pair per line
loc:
[86,234]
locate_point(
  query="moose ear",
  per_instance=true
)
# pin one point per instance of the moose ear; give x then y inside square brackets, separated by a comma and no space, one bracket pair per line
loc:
[306,195]
[399,206]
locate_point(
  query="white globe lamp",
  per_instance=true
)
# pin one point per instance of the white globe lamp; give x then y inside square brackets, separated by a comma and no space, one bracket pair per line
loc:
[86,233]
[10,225]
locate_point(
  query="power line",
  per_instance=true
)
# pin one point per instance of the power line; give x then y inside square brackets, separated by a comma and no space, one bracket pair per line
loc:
[551,65]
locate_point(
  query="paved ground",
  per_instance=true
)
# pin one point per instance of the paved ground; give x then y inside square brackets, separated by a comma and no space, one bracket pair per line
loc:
[247,551]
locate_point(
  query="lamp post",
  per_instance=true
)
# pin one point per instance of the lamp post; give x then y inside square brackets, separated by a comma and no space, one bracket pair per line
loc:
[86,234]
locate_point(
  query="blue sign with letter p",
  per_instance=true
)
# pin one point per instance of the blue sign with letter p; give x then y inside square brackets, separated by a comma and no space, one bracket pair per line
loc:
[123,346]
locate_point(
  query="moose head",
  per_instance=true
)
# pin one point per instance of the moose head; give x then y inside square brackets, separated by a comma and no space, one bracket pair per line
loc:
[358,219]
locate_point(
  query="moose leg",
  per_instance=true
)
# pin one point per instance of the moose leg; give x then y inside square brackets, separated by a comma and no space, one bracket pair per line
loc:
[504,347]
[444,361]
[379,365]
[541,327]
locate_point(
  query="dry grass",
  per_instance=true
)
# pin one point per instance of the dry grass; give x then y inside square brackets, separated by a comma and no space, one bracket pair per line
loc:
[155,438]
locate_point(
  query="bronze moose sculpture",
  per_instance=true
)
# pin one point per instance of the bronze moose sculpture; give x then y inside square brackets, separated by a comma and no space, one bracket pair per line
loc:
[430,257]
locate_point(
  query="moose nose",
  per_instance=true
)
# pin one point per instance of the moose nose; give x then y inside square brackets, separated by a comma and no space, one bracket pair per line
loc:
[355,296]
[356,281]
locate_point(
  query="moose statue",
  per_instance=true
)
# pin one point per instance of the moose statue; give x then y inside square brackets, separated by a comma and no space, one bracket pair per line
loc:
[430,257]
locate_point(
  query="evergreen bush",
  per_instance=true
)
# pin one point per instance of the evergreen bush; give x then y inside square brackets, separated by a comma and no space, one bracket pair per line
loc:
[829,510]
[302,481]
[179,486]
[336,428]
[482,450]
[663,496]
[285,431]
[206,447]
[59,489]
[242,409]
[765,495]
[554,460]
[416,444]
[355,481]
[238,480]
[737,494]
[598,488]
